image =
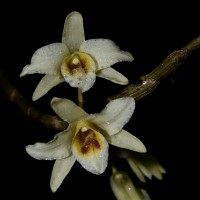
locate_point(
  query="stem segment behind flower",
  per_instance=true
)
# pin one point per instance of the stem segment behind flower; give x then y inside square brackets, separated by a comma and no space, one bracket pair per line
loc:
[80,98]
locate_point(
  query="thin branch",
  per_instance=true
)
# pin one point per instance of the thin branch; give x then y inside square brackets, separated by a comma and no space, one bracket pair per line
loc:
[14,96]
[148,83]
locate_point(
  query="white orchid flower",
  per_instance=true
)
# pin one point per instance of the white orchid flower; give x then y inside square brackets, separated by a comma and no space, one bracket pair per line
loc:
[86,138]
[144,165]
[124,189]
[75,60]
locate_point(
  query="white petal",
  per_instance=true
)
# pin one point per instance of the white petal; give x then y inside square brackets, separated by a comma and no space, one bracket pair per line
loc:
[125,140]
[67,110]
[58,148]
[73,31]
[47,83]
[136,170]
[60,170]
[46,60]
[105,52]
[94,159]
[115,115]
[84,82]
[112,75]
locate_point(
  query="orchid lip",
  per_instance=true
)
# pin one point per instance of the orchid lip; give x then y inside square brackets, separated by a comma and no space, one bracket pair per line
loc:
[76,64]
[87,140]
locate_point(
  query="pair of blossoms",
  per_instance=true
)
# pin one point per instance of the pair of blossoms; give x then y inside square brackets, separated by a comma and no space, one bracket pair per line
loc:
[86,139]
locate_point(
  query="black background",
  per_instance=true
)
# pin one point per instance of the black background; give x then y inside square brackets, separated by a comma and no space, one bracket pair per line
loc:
[166,120]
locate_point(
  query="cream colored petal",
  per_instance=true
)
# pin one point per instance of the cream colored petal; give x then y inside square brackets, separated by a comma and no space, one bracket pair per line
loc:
[67,110]
[84,82]
[60,170]
[47,83]
[145,195]
[73,31]
[155,171]
[123,187]
[93,155]
[115,115]
[105,52]
[147,164]
[162,169]
[150,167]
[125,140]
[46,60]
[58,148]
[112,75]
[136,170]
[154,165]
[151,164]
[145,170]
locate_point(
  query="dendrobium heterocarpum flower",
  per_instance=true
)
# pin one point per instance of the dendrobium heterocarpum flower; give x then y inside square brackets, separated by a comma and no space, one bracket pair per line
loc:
[76,60]
[87,137]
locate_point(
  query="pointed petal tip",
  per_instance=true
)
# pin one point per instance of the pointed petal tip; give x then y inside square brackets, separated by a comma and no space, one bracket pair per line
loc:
[54,99]
[46,84]
[24,70]
[122,82]
[142,149]
[60,170]
[23,73]
[125,82]
[55,149]
[127,56]
[163,170]
[53,188]
[131,57]
[112,75]
[34,98]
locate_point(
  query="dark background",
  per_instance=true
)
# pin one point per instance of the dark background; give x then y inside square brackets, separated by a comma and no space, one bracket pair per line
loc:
[166,120]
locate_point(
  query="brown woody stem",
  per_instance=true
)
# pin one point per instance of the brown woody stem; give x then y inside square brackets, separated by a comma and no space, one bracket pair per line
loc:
[148,82]
[29,111]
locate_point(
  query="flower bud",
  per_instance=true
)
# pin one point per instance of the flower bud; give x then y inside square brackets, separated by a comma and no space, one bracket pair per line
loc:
[124,189]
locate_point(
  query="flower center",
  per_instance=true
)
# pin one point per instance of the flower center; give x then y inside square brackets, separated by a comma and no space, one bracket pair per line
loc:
[76,64]
[87,140]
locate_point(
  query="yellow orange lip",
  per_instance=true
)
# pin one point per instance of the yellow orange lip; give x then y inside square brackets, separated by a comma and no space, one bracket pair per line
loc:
[87,140]
[77,64]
